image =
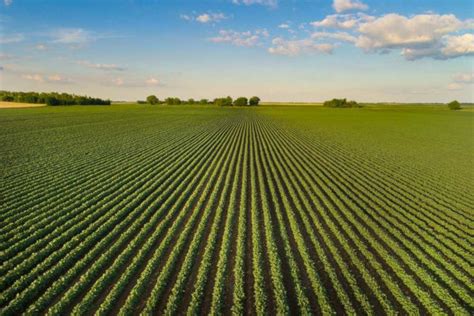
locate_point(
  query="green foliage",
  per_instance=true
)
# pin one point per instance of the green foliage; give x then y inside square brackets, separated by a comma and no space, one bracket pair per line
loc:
[340,103]
[204,101]
[254,101]
[269,210]
[51,98]
[152,99]
[241,101]
[223,101]
[454,105]
[173,101]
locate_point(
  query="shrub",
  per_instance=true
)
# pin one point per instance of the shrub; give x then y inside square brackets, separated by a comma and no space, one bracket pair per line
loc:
[454,105]
[152,99]
[254,101]
[340,103]
[242,101]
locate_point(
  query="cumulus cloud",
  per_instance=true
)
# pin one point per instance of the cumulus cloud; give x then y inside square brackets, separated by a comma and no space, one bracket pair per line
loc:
[298,47]
[346,5]
[7,2]
[455,46]
[343,21]
[106,67]
[340,36]
[247,39]
[268,3]
[424,35]
[209,17]
[284,26]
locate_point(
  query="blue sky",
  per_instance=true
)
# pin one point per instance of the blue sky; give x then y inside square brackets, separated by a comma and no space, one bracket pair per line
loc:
[281,50]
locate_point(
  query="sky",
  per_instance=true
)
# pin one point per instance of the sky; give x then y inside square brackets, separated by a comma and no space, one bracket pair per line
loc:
[280,50]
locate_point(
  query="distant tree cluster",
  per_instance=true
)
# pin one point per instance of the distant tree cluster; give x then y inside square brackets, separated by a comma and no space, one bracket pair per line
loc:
[227,101]
[341,103]
[454,105]
[50,98]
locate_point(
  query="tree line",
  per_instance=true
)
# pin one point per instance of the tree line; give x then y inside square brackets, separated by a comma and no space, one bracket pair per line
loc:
[341,103]
[227,101]
[50,98]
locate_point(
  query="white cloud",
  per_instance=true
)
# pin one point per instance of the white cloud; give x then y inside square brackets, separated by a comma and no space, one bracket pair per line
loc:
[455,86]
[13,38]
[467,77]
[424,35]
[106,67]
[34,77]
[284,26]
[186,17]
[152,81]
[118,82]
[58,79]
[345,5]
[72,36]
[455,46]
[341,36]
[397,31]
[268,3]
[298,47]
[41,47]
[49,79]
[343,21]
[461,81]
[211,17]
[7,2]
[247,39]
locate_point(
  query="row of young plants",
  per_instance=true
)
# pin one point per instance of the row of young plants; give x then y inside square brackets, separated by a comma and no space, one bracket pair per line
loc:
[282,189]
[203,275]
[118,206]
[144,241]
[41,252]
[41,196]
[281,163]
[157,280]
[422,297]
[412,217]
[211,242]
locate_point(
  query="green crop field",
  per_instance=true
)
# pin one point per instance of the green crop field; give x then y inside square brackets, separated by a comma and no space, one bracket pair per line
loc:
[131,209]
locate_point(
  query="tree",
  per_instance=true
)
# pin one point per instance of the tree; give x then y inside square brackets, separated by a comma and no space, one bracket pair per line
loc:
[152,99]
[242,101]
[223,101]
[340,103]
[254,101]
[454,105]
[203,101]
[173,101]
[191,101]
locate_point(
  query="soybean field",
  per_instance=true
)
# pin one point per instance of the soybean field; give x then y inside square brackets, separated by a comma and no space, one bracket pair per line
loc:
[139,209]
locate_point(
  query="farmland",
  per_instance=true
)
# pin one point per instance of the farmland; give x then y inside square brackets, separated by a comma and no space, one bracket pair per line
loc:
[132,209]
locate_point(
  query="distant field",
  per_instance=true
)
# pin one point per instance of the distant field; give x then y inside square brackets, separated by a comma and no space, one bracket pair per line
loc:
[157,209]
[13,105]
